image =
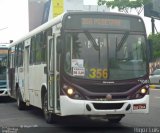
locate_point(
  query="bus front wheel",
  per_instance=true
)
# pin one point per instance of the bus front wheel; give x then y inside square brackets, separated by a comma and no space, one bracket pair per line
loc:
[48,116]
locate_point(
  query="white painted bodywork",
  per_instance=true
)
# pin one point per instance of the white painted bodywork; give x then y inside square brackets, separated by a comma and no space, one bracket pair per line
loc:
[78,107]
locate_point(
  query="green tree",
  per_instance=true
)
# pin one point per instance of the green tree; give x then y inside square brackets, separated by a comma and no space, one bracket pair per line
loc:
[155,42]
[125,5]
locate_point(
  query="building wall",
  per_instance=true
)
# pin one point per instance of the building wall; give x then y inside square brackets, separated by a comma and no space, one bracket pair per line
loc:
[40,11]
[35,14]
[76,5]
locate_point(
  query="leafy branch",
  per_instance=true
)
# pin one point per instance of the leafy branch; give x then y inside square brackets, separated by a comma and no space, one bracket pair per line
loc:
[155,41]
[125,5]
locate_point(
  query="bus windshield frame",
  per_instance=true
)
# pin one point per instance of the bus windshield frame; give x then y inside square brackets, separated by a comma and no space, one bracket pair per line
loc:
[105,55]
[108,41]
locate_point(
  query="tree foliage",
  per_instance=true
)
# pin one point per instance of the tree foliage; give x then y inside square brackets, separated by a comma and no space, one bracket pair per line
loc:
[124,5]
[155,42]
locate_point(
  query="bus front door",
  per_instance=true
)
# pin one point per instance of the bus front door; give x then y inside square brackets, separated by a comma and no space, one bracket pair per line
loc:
[52,75]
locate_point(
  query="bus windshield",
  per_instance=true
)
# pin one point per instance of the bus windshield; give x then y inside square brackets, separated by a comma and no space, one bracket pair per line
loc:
[105,55]
[3,63]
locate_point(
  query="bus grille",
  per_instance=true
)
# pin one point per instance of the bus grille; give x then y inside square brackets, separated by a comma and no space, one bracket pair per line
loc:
[103,98]
[108,88]
[107,106]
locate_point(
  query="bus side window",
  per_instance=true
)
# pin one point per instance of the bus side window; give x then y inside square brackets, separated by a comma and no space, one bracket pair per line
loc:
[44,47]
[39,49]
[20,54]
[46,33]
[33,51]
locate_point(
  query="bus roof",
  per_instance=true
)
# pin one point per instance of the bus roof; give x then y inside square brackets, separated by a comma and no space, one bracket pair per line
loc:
[59,19]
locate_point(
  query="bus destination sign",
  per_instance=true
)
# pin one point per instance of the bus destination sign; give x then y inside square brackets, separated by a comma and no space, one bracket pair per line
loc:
[105,23]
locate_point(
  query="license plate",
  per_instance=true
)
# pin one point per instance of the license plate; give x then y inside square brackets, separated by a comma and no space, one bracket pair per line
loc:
[139,106]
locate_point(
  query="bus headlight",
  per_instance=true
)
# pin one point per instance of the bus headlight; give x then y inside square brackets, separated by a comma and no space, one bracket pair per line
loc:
[143,90]
[140,93]
[71,92]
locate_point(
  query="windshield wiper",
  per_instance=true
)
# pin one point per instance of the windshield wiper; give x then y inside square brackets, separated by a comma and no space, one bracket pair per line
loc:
[95,45]
[89,36]
[123,40]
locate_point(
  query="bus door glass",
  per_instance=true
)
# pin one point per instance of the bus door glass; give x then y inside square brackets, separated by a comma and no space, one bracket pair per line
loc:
[52,74]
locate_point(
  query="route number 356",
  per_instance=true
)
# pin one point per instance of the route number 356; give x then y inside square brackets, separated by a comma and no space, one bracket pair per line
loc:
[98,73]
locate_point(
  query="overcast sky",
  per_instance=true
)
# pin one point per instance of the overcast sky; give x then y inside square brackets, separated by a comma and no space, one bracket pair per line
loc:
[89,2]
[14,19]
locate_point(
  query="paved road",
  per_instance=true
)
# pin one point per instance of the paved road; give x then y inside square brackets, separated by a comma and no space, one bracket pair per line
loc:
[10,116]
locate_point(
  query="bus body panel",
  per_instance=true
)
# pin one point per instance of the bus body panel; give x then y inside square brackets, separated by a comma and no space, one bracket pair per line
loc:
[78,107]
[35,83]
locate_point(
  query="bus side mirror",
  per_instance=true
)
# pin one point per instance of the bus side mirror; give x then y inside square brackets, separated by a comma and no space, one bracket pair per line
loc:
[59,44]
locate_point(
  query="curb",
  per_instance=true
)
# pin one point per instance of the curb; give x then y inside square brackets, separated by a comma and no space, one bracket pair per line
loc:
[154,86]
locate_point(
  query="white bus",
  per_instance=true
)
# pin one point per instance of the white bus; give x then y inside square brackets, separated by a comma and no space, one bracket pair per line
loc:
[82,63]
[4,89]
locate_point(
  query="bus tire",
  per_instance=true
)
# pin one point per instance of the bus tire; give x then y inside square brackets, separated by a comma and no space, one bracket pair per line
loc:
[20,104]
[47,115]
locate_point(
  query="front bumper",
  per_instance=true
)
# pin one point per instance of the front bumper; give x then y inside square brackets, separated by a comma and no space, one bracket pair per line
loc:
[79,107]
